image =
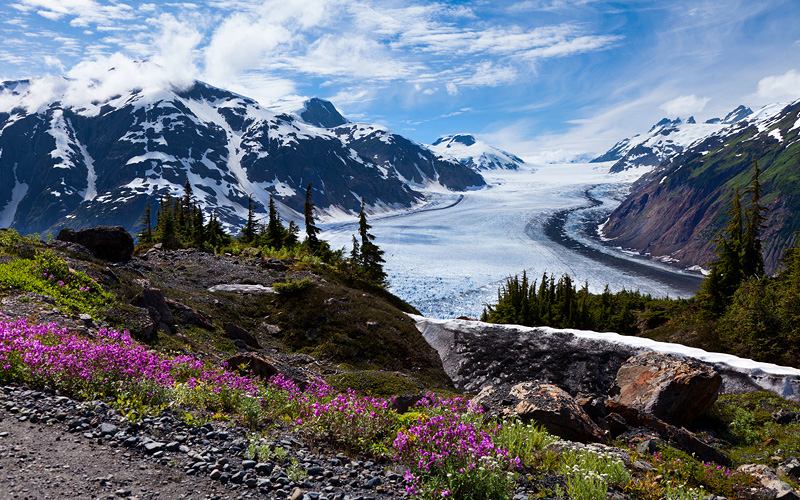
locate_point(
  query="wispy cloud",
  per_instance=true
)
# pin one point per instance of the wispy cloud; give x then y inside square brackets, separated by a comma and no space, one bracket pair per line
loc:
[785,86]
[685,105]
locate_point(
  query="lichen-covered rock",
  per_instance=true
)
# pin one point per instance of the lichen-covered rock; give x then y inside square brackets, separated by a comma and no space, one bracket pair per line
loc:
[545,404]
[673,388]
[236,332]
[771,481]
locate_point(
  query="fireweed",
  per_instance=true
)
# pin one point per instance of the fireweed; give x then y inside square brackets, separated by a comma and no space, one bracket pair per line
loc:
[448,457]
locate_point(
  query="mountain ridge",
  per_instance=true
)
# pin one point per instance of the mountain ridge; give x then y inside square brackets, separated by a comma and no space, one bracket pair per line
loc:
[96,162]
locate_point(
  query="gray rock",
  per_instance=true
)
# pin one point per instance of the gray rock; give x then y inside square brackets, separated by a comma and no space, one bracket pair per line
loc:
[112,243]
[770,480]
[107,429]
[153,446]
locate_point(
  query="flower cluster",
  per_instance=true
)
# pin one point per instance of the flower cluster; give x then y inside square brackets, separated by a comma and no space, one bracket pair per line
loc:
[450,456]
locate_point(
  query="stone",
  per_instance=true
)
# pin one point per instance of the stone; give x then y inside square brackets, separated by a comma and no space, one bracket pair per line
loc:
[545,404]
[676,436]
[235,332]
[154,298]
[260,366]
[112,243]
[790,469]
[108,429]
[190,315]
[297,494]
[673,388]
[153,446]
[246,289]
[770,480]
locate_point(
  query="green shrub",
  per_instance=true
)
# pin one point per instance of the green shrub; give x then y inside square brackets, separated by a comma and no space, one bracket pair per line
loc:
[293,287]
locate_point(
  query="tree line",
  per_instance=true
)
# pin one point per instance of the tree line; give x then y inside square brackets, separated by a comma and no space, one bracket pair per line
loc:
[180,223]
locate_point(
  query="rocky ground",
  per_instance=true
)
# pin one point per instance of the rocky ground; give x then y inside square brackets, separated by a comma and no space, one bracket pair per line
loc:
[55,447]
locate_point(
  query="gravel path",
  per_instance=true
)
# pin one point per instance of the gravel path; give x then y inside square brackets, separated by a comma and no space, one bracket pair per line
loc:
[53,447]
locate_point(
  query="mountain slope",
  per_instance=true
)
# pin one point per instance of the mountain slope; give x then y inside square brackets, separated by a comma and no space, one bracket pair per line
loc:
[676,210]
[79,163]
[665,139]
[475,153]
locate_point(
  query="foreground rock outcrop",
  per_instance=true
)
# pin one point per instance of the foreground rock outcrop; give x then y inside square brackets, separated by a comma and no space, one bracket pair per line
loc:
[545,404]
[476,354]
[112,243]
[672,388]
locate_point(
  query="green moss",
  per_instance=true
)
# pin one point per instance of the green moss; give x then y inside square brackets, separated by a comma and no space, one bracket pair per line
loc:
[375,383]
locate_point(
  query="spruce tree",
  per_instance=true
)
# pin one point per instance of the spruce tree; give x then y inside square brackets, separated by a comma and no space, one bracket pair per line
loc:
[312,240]
[275,230]
[146,225]
[249,229]
[752,258]
[371,256]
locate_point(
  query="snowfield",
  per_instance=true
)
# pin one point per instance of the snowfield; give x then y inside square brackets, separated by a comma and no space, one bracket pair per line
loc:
[449,257]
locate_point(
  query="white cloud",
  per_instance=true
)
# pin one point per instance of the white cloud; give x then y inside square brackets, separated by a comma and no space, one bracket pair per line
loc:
[240,44]
[54,62]
[452,89]
[84,12]
[778,87]
[685,105]
[488,74]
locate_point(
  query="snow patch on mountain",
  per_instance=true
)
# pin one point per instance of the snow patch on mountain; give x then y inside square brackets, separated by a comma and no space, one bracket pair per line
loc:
[478,155]
[17,194]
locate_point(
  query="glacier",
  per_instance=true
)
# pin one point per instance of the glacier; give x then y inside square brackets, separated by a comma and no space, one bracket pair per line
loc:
[449,257]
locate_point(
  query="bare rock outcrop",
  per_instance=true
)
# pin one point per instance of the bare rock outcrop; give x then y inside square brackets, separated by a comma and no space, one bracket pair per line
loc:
[673,388]
[770,480]
[112,243]
[545,404]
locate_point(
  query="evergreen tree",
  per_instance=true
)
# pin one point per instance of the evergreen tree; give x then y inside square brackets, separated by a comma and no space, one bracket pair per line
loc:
[249,229]
[312,240]
[355,253]
[275,230]
[752,257]
[291,240]
[146,225]
[371,256]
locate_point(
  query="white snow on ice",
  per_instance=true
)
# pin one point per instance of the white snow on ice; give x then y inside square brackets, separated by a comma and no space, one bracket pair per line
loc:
[17,194]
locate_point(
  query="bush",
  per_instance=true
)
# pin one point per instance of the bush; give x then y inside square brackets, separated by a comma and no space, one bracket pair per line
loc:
[293,287]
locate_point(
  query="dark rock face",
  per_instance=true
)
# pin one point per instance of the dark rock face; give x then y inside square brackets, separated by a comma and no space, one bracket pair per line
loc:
[112,243]
[545,404]
[475,355]
[321,113]
[672,388]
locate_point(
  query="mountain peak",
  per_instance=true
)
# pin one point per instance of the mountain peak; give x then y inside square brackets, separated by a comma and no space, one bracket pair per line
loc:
[476,154]
[321,113]
[737,115]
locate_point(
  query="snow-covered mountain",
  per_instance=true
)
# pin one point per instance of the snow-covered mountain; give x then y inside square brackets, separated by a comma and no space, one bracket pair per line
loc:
[665,139]
[475,153]
[68,160]
[675,211]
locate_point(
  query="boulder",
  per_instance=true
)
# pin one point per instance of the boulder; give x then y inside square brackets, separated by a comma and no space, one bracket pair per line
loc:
[190,315]
[259,366]
[112,243]
[676,436]
[544,404]
[673,388]
[153,299]
[771,481]
[265,367]
[235,332]
[790,469]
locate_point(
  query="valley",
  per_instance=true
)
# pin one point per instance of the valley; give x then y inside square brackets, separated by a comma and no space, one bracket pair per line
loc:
[449,257]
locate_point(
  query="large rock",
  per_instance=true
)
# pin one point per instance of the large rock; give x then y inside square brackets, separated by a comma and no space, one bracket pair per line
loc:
[112,243]
[153,300]
[673,388]
[544,404]
[265,367]
[676,436]
[236,332]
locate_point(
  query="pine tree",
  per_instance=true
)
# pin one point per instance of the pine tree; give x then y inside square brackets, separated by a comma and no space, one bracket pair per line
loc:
[371,256]
[312,240]
[355,253]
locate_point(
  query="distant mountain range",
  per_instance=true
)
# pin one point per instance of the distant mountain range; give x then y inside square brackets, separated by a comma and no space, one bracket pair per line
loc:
[98,162]
[675,211]
[665,139]
[476,154]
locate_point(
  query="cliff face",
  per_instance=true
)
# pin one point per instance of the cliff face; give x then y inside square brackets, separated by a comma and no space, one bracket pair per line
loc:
[676,211]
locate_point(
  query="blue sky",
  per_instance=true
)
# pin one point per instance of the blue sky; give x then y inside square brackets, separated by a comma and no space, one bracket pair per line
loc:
[544,79]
